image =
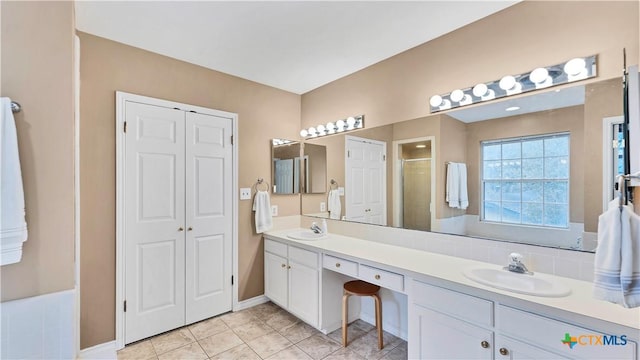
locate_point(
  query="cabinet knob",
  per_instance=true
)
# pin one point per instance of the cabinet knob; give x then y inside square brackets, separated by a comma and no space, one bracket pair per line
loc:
[484,344]
[289,267]
[190,228]
[504,351]
[377,277]
[180,228]
[337,264]
[283,265]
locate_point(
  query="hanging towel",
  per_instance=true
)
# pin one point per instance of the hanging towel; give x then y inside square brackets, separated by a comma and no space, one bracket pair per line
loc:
[617,260]
[262,207]
[334,206]
[456,186]
[13,227]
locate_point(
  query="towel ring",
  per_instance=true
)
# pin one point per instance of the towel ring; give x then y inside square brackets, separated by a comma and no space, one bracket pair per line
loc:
[333,184]
[259,182]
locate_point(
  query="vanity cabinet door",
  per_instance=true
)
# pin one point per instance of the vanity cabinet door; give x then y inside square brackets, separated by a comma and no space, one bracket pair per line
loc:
[275,278]
[303,292]
[437,336]
[510,349]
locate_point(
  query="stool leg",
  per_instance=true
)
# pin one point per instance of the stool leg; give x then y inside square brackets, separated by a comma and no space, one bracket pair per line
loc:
[378,319]
[345,318]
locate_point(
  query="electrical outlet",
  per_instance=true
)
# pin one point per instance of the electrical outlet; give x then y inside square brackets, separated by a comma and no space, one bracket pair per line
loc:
[245,193]
[274,210]
[323,206]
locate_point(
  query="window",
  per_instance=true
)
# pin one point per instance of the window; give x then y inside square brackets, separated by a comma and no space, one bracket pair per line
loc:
[526,180]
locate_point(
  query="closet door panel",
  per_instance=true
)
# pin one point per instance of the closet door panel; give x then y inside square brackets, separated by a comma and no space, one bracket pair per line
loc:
[209,215]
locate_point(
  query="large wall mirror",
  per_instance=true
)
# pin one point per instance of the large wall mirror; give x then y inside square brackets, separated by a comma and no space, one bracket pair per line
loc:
[539,168]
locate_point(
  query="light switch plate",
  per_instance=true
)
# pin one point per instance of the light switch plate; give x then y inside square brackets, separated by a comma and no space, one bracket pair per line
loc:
[323,206]
[274,210]
[245,193]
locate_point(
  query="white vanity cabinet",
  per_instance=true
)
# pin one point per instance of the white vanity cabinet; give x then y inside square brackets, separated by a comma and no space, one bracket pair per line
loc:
[446,324]
[291,279]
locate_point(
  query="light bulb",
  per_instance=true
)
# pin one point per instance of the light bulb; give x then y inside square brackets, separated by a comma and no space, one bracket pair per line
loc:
[304,133]
[320,128]
[330,127]
[507,82]
[539,75]
[350,121]
[575,66]
[457,95]
[480,90]
[435,101]
[312,131]
[340,125]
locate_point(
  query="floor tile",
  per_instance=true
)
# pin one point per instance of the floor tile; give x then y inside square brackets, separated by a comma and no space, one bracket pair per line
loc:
[290,353]
[398,353]
[207,328]
[218,343]
[344,354]
[298,332]
[252,330]
[236,319]
[269,344]
[354,332]
[281,320]
[318,346]
[192,351]
[172,340]
[264,311]
[242,351]
[139,350]
[363,325]
[367,346]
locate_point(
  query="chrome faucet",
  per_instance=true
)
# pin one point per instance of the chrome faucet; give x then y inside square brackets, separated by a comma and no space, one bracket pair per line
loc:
[316,229]
[516,265]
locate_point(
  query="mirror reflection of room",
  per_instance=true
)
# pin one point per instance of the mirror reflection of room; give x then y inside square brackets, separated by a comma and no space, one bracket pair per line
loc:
[286,165]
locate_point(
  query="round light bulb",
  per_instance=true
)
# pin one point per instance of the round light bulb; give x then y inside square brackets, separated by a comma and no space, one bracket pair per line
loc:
[457,95]
[507,82]
[312,131]
[539,75]
[304,133]
[435,101]
[480,90]
[320,128]
[330,127]
[575,66]
[351,121]
[340,125]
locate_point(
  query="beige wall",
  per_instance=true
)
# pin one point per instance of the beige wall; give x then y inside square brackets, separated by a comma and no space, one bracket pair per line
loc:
[107,66]
[37,72]
[517,39]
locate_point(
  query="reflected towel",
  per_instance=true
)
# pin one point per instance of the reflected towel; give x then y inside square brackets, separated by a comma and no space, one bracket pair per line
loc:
[262,207]
[456,186]
[617,259]
[463,197]
[333,204]
[13,227]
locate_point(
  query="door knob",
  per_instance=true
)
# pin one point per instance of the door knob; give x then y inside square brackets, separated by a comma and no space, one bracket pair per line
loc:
[180,229]
[504,351]
[484,344]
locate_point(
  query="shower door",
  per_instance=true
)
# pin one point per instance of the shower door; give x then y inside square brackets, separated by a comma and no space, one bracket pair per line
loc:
[416,193]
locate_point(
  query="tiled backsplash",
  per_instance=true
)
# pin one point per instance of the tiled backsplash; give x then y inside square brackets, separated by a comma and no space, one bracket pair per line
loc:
[567,263]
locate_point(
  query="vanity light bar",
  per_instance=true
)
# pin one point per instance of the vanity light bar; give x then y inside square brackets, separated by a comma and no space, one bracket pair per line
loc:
[342,125]
[543,77]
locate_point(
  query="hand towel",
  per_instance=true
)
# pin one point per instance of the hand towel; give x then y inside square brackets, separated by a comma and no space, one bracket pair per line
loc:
[462,186]
[333,204]
[452,194]
[262,207]
[630,258]
[608,258]
[13,227]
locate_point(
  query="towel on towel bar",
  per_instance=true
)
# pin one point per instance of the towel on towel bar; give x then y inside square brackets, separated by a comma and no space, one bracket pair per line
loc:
[333,204]
[262,207]
[13,227]
[456,191]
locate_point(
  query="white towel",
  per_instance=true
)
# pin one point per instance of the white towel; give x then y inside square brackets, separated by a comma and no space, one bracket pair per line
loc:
[262,207]
[617,259]
[13,227]
[456,189]
[333,204]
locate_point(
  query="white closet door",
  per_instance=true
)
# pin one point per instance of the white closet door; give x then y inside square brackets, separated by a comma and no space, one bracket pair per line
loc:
[365,177]
[356,205]
[154,206]
[209,216]
[375,183]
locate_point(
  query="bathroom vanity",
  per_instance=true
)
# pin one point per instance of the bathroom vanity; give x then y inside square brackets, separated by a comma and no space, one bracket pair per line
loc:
[449,315]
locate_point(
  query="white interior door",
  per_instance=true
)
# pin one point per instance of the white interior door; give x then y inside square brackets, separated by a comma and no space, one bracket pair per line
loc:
[154,217]
[365,177]
[208,216]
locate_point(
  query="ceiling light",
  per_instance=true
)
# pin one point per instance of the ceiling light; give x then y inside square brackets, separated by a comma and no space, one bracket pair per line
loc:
[351,123]
[304,133]
[421,146]
[512,108]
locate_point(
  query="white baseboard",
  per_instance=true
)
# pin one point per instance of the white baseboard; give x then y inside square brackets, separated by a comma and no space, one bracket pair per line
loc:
[245,304]
[100,351]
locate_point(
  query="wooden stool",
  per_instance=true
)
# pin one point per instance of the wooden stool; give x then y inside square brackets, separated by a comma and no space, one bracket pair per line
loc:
[361,288]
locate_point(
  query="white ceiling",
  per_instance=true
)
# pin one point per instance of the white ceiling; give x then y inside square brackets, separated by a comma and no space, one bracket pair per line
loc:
[294,46]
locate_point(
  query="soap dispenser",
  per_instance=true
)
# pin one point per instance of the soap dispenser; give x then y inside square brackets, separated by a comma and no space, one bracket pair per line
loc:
[325,229]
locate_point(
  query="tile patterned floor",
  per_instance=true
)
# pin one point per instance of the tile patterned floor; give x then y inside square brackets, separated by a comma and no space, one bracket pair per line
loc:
[264,332]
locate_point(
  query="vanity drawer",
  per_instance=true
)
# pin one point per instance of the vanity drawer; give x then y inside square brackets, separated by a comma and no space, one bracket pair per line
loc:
[275,247]
[340,265]
[462,306]
[547,333]
[304,257]
[384,278]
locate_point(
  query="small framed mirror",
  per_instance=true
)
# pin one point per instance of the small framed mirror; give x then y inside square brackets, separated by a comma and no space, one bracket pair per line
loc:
[286,167]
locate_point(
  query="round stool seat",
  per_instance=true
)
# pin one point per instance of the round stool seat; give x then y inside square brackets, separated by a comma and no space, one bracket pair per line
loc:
[361,288]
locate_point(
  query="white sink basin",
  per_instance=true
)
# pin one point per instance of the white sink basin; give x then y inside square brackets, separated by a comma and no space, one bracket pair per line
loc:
[306,235]
[536,284]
